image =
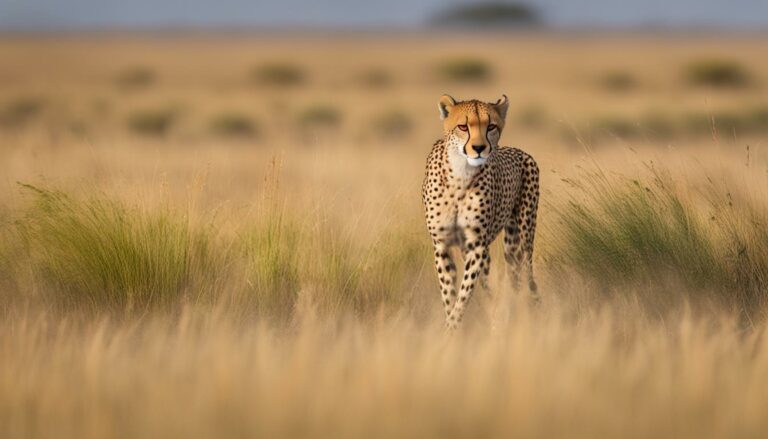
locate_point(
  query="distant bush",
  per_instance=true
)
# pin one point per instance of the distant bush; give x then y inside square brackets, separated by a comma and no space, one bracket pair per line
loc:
[617,81]
[650,126]
[234,125]
[659,126]
[464,70]
[702,124]
[20,111]
[102,254]
[320,116]
[136,77]
[532,116]
[728,123]
[758,118]
[719,73]
[100,107]
[376,78]
[78,127]
[155,122]
[616,126]
[393,124]
[489,14]
[279,74]
[618,231]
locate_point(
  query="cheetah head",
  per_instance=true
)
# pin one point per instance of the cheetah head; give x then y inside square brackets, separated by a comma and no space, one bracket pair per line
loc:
[473,127]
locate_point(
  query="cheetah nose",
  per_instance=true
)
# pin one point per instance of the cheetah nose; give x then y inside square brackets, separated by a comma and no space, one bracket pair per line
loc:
[478,148]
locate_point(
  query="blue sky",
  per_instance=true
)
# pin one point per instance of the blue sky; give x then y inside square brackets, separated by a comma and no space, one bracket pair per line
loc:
[106,14]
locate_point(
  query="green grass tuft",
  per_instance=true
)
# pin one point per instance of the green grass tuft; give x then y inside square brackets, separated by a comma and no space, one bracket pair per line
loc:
[98,254]
[393,264]
[101,254]
[8,252]
[337,273]
[348,277]
[620,231]
[272,249]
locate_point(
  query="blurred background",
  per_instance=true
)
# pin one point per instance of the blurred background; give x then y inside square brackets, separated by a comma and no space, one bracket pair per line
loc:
[97,87]
[317,59]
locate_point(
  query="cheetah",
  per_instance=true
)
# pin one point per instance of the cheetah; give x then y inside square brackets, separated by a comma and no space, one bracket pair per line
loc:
[474,188]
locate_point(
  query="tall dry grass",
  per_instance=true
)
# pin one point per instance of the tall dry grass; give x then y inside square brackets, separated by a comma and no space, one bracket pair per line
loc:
[308,331]
[540,373]
[101,254]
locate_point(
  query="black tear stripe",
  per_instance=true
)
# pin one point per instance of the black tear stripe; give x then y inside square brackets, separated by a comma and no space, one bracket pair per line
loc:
[477,114]
[490,144]
[469,137]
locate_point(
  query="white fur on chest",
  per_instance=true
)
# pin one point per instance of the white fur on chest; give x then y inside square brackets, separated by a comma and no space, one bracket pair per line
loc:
[457,204]
[461,170]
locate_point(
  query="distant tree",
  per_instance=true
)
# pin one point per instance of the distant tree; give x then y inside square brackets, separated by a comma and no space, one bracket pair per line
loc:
[489,14]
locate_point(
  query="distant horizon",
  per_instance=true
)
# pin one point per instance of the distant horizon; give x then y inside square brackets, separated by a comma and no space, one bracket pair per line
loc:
[405,15]
[383,30]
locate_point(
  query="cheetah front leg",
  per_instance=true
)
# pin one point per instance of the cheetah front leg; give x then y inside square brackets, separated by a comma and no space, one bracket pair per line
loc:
[446,274]
[476,264]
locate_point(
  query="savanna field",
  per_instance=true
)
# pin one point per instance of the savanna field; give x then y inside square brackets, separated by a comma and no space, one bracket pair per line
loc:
[222,236]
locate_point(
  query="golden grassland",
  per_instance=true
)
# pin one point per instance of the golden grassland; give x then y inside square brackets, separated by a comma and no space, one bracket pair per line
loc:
[222,236]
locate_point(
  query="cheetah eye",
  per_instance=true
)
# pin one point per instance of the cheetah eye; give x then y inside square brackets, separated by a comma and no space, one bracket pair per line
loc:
[492,127]
[463,127]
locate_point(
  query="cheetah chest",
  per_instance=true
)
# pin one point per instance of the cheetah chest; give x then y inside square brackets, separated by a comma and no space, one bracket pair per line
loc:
[460,214]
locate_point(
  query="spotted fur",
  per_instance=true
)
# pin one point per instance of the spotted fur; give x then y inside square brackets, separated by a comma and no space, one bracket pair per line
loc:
[474,189]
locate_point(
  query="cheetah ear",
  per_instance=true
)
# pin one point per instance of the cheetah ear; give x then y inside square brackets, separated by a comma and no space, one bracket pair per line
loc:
[501,106]
[445,105]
